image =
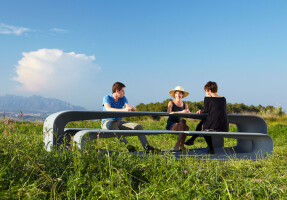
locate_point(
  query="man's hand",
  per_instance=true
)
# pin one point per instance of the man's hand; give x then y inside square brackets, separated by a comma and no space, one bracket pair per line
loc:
[129,108]
[133,108]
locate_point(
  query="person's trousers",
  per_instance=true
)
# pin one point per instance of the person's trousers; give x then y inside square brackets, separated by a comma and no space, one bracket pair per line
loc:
[123,125]
[208,139]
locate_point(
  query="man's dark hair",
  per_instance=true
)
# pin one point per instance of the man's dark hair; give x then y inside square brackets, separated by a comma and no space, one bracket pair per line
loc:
[118,86]
[212,86]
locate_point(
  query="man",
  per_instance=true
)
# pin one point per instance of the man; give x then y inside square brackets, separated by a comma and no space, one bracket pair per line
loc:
[118,102]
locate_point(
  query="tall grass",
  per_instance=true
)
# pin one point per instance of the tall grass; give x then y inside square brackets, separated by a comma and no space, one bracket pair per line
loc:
[27,171]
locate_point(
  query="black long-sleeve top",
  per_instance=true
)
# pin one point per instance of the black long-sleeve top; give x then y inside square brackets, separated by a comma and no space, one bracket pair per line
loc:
[215,107]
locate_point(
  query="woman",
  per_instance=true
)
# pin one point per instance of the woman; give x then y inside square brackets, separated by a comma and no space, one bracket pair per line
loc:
[215,107]
[176,123]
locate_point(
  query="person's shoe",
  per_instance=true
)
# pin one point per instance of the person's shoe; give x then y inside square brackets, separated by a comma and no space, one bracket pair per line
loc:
[189,142]
[150,149]
[131,148]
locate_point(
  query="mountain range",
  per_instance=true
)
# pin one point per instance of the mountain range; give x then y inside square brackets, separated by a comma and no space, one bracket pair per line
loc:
[34,104]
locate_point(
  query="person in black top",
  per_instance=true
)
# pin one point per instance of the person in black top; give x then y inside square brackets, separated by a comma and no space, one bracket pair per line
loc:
[176,123]
[215,107]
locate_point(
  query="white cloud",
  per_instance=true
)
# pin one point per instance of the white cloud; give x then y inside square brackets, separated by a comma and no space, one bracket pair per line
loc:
[8,29]
[58,30]
[52,71]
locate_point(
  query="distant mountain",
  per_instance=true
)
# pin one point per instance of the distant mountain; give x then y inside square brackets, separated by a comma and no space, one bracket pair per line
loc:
[34,104]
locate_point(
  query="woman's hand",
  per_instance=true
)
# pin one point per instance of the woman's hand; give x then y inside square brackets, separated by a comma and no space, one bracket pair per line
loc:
[199,112]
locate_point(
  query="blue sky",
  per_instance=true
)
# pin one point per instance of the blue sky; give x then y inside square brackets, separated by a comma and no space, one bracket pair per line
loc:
[76,50]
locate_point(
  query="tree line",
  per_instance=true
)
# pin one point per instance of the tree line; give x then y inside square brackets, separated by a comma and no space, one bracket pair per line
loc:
[234,108]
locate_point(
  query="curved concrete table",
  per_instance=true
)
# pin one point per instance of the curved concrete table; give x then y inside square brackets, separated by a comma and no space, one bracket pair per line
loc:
[253,141]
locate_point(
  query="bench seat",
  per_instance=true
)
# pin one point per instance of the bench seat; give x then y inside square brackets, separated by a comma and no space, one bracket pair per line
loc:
[259,145]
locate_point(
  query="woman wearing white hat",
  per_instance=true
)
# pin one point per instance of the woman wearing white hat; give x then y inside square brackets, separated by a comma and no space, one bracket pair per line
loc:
[176,123]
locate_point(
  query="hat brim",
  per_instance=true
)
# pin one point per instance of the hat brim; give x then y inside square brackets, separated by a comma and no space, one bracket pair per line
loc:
[172,92]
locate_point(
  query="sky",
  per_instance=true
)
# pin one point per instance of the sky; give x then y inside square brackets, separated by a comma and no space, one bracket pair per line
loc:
[75,50]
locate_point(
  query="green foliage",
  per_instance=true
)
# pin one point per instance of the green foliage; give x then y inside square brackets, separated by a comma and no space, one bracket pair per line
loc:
[268,112]
[242,108]
[272,113]
[29,172]
[195,106]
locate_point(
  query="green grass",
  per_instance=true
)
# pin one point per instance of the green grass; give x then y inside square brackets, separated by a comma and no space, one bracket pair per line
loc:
[27,171]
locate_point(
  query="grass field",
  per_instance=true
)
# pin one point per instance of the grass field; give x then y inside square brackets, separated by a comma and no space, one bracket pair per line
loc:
[29,172]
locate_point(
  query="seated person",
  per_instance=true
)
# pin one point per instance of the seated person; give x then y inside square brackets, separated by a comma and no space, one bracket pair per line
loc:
[117,101]
[176,123]
[215,107]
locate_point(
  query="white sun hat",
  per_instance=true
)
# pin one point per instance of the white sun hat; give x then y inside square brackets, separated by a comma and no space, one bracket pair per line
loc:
[178,88]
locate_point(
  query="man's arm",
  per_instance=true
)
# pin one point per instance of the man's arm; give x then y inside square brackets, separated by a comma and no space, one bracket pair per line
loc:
[126,108]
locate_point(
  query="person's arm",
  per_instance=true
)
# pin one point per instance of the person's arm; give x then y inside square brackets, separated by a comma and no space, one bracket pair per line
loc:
[206,104]
[132,108]
[204,108]
[199,111]
[169,109]
[186,108]
[107,105]
[127,105]
[109,108]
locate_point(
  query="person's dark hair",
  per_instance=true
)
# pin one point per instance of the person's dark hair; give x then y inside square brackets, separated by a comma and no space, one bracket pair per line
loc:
[212,86]
[118,86]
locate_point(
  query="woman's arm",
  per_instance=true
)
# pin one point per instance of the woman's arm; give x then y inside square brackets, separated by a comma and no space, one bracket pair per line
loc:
[186,108]
[205,106]
[169,107]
